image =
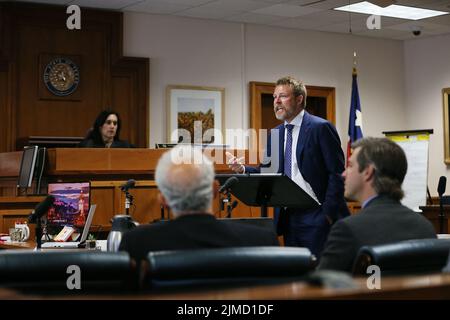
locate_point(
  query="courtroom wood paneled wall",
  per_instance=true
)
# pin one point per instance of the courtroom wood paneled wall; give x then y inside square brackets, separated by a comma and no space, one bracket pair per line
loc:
[31,35]
[4,111]
[106,169]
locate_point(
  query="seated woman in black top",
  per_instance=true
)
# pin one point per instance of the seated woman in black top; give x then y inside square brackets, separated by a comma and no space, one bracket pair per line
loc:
[105,132]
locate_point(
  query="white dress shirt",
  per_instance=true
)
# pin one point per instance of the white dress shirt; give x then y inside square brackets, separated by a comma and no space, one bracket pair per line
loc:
[296,175]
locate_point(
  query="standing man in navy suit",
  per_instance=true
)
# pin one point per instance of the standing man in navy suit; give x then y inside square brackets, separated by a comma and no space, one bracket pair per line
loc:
[308,150]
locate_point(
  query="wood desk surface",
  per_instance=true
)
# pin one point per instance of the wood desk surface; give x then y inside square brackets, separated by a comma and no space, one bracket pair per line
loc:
[436,286]
[433,286]
[29,245]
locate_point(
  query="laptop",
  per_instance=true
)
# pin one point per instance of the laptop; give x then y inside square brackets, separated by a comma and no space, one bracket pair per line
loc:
[74,244]
[71,209]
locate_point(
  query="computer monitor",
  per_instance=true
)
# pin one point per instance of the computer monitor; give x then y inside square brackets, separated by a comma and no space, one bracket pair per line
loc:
[39,168]
[70,208]
[27,166]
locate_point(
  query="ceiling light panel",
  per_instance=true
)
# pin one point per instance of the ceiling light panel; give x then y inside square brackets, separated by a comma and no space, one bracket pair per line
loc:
[394,11]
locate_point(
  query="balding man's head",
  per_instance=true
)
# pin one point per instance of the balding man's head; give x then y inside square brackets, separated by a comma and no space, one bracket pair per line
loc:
[185,178]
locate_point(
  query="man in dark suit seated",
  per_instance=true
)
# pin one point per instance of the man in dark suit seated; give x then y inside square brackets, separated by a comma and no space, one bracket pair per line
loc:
[185,178]
[373,177]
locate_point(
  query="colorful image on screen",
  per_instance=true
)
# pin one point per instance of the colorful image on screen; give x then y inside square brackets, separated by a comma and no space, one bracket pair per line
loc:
[71,205]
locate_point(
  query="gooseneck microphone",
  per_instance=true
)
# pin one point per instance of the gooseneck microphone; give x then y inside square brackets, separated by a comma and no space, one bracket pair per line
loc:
[41,209]
[442,185]
[128,197]
[128,185]
[35,217]
[441,190]
[225,188]
[228,184]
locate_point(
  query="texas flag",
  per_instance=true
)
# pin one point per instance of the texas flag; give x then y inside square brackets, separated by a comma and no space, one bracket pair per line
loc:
[355,120]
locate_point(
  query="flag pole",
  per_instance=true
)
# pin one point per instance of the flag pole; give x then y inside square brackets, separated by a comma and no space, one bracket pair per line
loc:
[355,116]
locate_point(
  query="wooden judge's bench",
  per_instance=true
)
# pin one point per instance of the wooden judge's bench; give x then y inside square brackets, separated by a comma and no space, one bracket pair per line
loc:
[107,170]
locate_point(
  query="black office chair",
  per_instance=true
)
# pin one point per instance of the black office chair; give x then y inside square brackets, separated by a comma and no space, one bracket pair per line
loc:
[405,257]
[225,266]
[447,266]
[49,271]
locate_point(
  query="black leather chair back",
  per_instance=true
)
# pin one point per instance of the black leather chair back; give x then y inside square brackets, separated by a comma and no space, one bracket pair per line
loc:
[405,257]
[226,266]
[49,269]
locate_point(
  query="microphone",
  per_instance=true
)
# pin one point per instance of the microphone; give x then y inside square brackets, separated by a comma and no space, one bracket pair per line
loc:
[128,185]
[441,186]
[41,209]
[128,197]
[228,184]
[230,208]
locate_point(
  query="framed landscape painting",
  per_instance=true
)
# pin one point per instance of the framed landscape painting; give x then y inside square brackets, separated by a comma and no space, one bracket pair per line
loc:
[195,114]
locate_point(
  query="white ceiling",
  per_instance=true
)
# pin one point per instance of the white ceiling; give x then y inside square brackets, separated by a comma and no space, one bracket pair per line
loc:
[297,14]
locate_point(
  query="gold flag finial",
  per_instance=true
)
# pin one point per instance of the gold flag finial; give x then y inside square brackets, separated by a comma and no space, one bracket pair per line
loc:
[354,63]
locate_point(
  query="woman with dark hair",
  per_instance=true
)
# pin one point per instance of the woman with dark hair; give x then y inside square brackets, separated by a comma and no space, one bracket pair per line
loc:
[105,132]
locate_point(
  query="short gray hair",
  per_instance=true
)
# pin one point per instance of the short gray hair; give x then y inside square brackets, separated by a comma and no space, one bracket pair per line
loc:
[185,176]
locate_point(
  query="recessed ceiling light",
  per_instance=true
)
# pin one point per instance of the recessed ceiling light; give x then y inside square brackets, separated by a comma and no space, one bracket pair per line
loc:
[394,11]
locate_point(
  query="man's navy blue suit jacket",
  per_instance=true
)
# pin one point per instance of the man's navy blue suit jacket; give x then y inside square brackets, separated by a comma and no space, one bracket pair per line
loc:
[321,160]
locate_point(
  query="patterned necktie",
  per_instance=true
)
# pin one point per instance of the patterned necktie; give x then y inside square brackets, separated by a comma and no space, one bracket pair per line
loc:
[288,151]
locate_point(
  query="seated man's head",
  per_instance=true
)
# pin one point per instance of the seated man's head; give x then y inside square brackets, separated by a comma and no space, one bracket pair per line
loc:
[185,178]
[377,166]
